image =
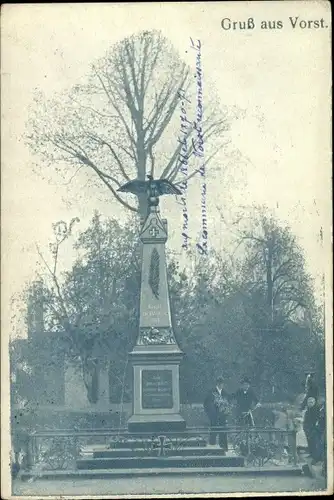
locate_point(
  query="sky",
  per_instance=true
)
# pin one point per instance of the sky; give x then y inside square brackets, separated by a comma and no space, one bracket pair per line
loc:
[281,78]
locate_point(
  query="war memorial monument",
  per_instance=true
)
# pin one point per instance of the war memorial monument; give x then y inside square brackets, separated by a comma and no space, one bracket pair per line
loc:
[156,355]
[156,439]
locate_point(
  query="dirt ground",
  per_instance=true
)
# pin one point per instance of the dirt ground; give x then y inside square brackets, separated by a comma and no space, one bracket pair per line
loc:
[169,485]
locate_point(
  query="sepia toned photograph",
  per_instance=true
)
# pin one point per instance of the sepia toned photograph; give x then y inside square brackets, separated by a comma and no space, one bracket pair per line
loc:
[166,257]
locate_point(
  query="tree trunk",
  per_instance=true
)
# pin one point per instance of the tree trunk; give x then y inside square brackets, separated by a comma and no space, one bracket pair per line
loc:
[270,285]
[141,168]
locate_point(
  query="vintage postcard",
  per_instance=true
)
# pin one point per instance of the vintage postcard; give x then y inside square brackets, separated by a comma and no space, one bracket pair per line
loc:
[166,250]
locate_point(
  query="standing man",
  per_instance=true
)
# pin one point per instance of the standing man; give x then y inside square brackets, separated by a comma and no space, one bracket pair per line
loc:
[321,428]
[217,406]
[310,426]
[246,400]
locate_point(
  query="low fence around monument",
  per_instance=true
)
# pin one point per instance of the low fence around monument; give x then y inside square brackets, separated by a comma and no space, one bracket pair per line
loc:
[60,449]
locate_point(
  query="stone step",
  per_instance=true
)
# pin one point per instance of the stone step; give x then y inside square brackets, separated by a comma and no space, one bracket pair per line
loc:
[160,462]
[129,452]
[285,471]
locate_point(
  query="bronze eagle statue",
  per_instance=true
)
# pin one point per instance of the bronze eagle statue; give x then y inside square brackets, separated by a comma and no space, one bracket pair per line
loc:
[153,187]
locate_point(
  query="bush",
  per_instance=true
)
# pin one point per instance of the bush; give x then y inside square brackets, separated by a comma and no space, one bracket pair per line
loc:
[47,419]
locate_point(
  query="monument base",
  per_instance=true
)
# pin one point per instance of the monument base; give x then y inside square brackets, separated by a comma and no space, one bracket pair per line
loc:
[156,398]
[156,423]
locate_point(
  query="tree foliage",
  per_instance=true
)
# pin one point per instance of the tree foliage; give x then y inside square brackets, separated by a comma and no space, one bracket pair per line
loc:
[251,314]
[279,299]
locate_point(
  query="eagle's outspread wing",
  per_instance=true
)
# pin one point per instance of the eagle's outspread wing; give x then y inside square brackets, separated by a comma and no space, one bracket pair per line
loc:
[135,186]
[157,187]
[166,187]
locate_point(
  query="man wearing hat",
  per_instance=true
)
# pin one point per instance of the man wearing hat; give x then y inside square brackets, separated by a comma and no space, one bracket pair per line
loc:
[246,400]
[217,407]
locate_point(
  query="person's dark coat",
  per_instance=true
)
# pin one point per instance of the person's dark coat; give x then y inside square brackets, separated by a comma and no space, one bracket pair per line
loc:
[211,409]
[321,424]
[310,426]
[217,418]
[311,419]
[321,429]
[245,400]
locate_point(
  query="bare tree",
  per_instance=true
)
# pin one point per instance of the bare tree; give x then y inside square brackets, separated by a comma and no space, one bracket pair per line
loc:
[59,316]
[91,310]
[128,119]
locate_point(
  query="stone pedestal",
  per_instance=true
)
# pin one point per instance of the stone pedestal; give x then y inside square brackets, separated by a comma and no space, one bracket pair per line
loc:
[156,402]
[156,356]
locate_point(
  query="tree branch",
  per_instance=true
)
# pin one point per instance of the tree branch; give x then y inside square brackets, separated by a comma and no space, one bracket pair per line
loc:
[56,283]
[172,106]
[113,152]
[183,180]
[72,177]
[104,180]
[279,288]
[277,273]
[167,169]
[150,152]
[130,62]
[102,115]
[113,103]
[85,160]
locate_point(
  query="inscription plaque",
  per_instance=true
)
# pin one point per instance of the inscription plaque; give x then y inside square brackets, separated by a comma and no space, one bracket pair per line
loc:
[157,389]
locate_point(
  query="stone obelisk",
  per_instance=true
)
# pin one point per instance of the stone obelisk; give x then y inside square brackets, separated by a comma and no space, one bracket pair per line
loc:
[156,356]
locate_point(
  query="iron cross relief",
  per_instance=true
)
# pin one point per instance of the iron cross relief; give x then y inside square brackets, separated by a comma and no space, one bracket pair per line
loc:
[154,231]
